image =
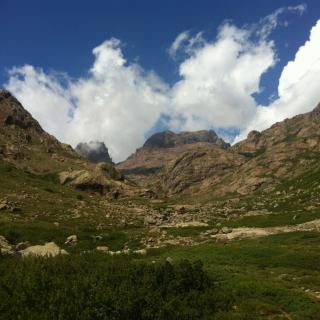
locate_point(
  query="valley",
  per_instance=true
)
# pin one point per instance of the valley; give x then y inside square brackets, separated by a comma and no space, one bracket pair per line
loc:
[250,212]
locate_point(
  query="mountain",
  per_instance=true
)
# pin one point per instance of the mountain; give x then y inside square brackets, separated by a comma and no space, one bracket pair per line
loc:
[163,147]
[94,151]
[261,161]
[25,145]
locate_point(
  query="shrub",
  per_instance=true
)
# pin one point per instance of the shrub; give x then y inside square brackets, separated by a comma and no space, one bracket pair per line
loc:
[99,287]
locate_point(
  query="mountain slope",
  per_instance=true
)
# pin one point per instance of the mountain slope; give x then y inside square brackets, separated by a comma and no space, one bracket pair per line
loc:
[261,161]
[163,147]
[27,146]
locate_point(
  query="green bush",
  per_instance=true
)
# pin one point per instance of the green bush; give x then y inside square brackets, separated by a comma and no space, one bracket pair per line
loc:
[99,287]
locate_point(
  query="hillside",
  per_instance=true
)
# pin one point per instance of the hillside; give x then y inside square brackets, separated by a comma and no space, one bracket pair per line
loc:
[24,144]
[163,147]
[261,161]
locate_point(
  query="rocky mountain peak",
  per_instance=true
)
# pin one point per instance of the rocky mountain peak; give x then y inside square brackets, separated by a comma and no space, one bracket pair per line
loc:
[315,113]
[169,139]
[12,113]
[94,151]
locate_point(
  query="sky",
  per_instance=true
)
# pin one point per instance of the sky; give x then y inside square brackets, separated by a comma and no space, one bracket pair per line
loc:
[118,71]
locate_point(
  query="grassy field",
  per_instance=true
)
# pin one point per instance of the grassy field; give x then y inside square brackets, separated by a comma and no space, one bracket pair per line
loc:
[274,277]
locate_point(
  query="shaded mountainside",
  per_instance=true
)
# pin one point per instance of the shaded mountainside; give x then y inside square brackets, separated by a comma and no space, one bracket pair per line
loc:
[27,146]
[263,160]
[164,147]
[94,151]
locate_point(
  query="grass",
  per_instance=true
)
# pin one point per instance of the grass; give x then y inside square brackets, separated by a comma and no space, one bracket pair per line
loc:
[263,278]
[251,271]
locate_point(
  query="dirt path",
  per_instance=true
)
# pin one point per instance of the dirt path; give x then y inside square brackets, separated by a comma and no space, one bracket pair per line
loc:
[244,232]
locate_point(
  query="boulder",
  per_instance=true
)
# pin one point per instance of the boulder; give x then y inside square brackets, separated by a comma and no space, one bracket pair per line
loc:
[71,240]
[49,249]
[226,230]
[169,260]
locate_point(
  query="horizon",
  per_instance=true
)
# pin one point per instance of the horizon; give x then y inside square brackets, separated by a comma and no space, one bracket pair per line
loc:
[220,66]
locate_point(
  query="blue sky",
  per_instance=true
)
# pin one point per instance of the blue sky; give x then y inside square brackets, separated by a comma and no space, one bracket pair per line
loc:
[57,37]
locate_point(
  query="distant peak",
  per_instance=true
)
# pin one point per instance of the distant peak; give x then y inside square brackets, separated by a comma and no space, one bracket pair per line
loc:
[169,139]
[95,151]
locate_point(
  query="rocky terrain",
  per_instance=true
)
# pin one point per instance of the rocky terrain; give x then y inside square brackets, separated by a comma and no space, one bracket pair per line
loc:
[163,147]
[94,151]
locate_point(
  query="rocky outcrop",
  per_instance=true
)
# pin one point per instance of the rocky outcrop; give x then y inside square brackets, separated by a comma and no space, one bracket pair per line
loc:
[103,178]
[94,151]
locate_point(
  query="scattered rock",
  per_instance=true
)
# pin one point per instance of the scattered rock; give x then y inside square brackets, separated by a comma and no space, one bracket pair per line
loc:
[5,247]
[97,238]
[4,205]
[72,240]
[226,230]
[141,251]
[155,230]
[103,248]
[222,239]
[169,260]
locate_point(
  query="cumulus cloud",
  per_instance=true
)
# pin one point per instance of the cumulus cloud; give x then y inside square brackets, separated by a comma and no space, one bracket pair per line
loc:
[216,86]
[44,96]
[298,88]
[118,102]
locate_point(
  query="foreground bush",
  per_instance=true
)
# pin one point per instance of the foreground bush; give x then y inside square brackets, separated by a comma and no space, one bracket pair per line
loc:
[99,287]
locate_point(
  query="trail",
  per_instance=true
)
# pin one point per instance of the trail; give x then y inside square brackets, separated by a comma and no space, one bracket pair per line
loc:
[245,232]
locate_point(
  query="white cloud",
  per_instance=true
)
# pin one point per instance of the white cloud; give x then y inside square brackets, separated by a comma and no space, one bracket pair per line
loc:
[118,102]
[177,43]
[267,24]
[298,88]
[44,97]
[218,80]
